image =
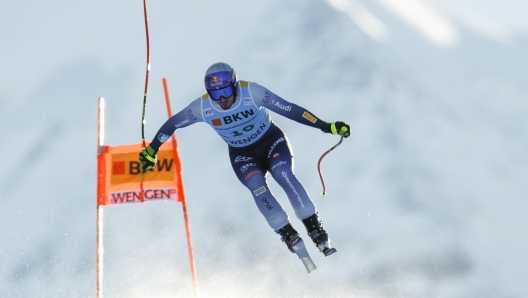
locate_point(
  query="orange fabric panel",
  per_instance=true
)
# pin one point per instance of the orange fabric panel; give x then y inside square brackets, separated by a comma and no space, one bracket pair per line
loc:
[101,177]
[121,174]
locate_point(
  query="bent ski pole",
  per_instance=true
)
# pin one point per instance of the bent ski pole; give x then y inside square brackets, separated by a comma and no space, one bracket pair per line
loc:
[319,165]
[142,193]
[146,76]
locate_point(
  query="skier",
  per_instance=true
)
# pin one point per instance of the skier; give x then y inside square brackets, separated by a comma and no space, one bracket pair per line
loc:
[238,112]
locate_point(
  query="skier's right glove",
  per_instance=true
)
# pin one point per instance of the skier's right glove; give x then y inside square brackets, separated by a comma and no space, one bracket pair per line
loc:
[337,128]
[147,157]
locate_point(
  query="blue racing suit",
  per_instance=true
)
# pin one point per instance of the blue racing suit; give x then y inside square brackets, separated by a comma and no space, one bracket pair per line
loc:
[256,145]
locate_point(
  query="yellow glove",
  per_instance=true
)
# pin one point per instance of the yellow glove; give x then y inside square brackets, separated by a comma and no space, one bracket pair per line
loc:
[339,128]
[147,158]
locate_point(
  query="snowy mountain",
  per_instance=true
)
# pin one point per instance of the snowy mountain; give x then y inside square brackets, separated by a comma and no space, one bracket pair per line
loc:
[425,199]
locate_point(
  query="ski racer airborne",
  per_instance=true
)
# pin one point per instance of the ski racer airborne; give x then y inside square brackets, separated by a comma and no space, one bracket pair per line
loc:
[239,112]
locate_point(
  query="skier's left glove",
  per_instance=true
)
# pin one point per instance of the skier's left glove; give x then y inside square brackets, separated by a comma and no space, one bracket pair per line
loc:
[337,128]
[147,157]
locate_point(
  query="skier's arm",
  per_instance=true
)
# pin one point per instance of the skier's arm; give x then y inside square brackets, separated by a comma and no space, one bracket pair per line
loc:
[265,98]
[188,116]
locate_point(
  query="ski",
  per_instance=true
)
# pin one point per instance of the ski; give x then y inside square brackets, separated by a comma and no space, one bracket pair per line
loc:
[300,249]
[328,251]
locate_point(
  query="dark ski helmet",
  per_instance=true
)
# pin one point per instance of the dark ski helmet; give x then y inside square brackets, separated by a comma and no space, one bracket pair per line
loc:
[220,80]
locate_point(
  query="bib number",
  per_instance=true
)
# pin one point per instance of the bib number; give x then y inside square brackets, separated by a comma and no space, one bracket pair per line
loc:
[237,133]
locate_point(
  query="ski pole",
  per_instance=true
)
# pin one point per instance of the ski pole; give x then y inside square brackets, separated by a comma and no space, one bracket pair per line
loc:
[142,193]
[146,76]
[319,165]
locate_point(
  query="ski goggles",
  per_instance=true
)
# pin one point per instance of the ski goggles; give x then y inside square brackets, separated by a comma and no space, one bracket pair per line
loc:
[219,93]
[218,85]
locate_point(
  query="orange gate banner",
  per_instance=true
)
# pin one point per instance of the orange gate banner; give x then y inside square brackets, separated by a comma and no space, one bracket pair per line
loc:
[120,176]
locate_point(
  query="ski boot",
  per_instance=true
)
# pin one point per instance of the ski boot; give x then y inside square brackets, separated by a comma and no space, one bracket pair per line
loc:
[296,245]
[289,236]
[319,236]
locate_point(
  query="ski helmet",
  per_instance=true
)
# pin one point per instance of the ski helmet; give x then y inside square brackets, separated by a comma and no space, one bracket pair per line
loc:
[220,80]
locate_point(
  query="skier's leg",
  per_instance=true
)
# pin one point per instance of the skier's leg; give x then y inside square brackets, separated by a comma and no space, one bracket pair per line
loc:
[280,161]
[252,173]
